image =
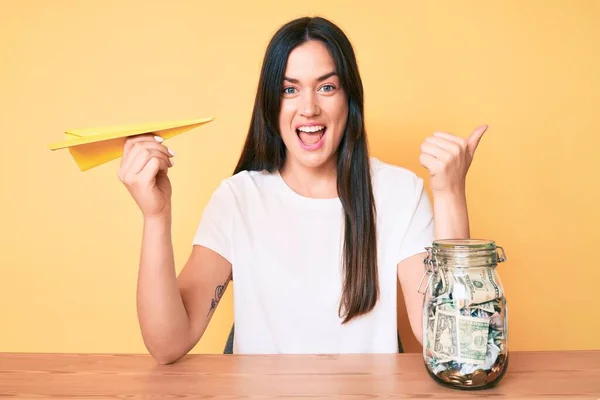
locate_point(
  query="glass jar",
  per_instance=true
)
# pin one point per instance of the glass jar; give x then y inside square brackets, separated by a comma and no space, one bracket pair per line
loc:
[465,325]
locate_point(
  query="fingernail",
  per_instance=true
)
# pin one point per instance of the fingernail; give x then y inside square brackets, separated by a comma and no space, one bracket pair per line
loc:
[158,139]
[171,161]
[171,152]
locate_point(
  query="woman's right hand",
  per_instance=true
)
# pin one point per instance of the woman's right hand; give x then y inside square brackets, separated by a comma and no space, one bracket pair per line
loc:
[144,167]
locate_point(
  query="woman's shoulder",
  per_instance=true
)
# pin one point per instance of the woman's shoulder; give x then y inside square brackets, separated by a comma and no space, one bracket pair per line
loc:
[397,190]
[385,174]
[245,182]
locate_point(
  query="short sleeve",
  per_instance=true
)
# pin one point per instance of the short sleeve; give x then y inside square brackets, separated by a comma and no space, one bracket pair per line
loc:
[420,232]
[215,227]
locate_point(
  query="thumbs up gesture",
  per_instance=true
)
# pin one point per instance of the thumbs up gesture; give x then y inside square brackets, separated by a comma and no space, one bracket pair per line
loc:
[448,158]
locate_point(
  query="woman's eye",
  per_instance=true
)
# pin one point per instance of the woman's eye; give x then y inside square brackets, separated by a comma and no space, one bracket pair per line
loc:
[328,88]
[289,90]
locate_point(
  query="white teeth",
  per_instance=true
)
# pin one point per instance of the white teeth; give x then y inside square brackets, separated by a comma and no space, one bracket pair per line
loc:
[311,129]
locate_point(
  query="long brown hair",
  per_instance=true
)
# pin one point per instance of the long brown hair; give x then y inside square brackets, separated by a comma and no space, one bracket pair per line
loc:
[264,150]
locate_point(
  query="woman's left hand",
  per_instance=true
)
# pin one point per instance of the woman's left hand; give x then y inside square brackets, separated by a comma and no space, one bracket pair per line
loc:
[448,158]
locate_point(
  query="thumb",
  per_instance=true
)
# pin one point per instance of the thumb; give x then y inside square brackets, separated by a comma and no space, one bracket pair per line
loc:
[475,137]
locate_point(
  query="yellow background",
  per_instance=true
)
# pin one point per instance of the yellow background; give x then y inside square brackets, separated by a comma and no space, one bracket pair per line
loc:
[70,240]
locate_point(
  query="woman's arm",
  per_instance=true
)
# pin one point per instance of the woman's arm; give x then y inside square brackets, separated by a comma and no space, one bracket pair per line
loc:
[451,218]
[448,158]
[451,221]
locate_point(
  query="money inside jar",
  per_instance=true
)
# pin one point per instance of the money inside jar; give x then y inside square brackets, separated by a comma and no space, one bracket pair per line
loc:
[465,343]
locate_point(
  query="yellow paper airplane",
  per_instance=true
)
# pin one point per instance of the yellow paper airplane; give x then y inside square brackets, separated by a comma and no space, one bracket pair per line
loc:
[91,147]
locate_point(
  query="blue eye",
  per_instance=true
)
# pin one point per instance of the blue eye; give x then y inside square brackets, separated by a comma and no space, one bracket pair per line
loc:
[288,90]
[330,88]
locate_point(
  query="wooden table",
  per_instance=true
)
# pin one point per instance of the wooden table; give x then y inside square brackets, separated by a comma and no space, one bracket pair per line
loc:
[531,375]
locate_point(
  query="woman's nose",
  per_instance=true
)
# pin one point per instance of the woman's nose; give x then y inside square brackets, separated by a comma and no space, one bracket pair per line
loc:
[309,106]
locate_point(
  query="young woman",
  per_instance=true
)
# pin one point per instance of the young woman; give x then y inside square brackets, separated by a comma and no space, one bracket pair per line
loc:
[312,229]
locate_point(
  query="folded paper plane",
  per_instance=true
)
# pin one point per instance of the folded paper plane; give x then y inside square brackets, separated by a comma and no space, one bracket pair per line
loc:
[91,147]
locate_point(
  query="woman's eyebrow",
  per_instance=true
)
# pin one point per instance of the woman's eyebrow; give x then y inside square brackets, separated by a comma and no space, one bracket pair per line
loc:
[319,79]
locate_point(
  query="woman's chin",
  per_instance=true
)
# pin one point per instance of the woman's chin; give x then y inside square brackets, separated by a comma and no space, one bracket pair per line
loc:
[316,159]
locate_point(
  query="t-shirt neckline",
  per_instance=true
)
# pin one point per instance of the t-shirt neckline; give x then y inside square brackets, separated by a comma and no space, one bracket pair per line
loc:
[296,197]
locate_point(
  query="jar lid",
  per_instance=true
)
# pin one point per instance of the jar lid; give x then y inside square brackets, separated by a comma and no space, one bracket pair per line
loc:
[464,244]
[480,250]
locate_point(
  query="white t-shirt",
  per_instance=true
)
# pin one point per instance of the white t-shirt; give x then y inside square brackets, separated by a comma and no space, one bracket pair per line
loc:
[286,252]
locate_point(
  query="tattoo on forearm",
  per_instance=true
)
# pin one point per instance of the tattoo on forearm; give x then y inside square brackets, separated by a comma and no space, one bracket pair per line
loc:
[218,294]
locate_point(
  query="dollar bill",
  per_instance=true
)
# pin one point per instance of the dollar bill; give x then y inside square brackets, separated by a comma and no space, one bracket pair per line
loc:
[430,331]
[477,285]
[487,307]
[439,285]
[460,338]
[447,306]
[490,359]
[473,339]
[497,322]
[445,336]
[447,280]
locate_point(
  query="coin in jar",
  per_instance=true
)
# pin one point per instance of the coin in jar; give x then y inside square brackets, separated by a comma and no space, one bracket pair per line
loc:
[444,375]
[493,375]
[456,377]
[479,377]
